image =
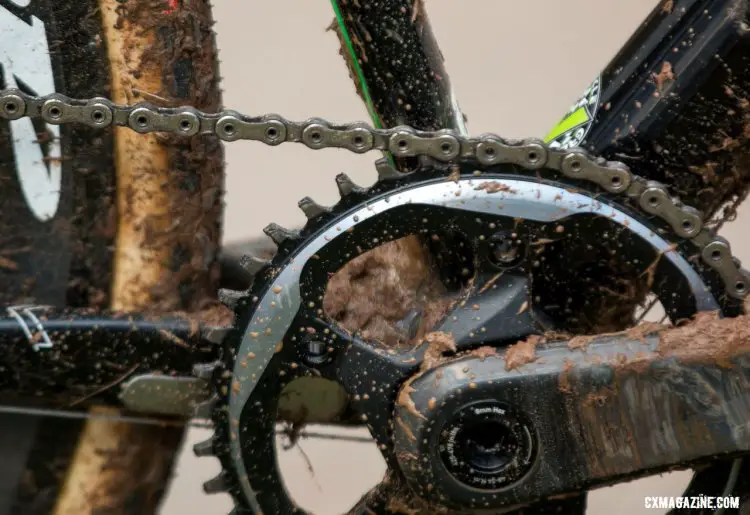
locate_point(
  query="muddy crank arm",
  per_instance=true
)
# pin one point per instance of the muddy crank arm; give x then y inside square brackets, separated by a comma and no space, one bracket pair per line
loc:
[53,358]
[579,414]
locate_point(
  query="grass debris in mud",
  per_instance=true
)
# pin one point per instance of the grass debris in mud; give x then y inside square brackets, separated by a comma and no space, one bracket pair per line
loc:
[376,291]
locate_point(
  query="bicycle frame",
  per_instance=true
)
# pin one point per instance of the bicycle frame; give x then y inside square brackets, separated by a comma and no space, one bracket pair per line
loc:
[48,355]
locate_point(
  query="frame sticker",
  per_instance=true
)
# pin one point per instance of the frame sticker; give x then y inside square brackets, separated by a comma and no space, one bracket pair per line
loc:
[573,128]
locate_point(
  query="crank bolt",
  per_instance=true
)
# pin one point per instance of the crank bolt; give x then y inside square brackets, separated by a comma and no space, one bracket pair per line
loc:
[506,249]
[316,353]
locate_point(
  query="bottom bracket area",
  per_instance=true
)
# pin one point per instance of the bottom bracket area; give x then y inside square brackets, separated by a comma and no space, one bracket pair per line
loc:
[485,445]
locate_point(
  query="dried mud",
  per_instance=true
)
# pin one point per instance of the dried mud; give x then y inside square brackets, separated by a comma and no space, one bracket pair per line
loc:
[165,220]
[110,449]
[708,339]
[523,352]
[438,343]
[188,230]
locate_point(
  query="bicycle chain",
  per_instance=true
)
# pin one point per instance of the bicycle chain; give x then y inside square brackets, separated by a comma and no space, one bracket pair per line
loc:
[443,146]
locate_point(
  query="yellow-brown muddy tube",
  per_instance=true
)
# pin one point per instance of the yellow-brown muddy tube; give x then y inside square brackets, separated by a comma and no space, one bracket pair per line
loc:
[168,206]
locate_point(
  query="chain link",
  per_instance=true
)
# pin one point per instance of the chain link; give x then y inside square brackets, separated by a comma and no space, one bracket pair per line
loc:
[443,146]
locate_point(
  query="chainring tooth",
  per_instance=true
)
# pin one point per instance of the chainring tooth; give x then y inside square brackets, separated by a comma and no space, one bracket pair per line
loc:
[205,448]
[345,185]
[386,171]
[206,371]
[230,298]
[215,335]
[253,265]
[218,484]
[312,209]
[278,234]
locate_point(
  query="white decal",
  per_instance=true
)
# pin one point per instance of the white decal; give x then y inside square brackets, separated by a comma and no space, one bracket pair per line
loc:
[571,131]
[24,56]
[17,313]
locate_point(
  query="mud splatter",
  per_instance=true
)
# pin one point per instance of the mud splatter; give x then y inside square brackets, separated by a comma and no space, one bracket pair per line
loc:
[564,384]
[495,187]
[665,76]
[404,400]
[438,343]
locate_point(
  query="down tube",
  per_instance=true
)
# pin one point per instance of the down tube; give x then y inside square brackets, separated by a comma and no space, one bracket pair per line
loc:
[673,103]
[396,65]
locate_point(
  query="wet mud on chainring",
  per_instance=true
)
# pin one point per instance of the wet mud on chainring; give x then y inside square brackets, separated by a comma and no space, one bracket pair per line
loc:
[317,272]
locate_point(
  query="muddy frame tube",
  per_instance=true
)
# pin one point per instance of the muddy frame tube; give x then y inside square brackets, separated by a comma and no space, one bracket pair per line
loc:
[73,358]
[396,65]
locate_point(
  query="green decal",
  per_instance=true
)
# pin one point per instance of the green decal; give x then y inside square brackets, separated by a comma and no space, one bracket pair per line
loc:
[574,127]
[570,122]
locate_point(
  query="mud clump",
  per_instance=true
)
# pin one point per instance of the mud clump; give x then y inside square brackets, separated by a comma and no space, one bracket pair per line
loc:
[641,331]
[405,401]
[581,341]
[438,343]
[483,352]
[373,293]
[495,187]
[708,339]
[523,352]
[665,76]
[638,332]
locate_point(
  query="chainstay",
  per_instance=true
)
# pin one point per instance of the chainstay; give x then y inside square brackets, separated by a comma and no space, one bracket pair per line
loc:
[443,146]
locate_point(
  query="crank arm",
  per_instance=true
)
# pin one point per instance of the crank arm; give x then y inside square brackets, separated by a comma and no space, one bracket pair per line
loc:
[578,414]
[65,358]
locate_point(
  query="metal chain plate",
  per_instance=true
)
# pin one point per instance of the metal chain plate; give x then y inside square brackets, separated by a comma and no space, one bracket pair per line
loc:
[443,146]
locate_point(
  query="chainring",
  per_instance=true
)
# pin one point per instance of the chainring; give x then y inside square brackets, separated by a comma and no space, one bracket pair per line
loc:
[263,354]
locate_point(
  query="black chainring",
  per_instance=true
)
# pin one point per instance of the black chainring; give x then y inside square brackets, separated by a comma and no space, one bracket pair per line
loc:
[345,355]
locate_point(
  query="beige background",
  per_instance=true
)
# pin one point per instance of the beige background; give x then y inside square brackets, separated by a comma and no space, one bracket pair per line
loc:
[516,67]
